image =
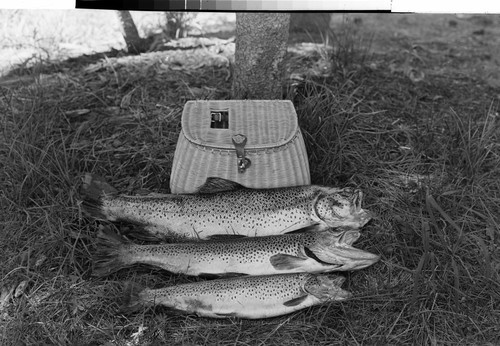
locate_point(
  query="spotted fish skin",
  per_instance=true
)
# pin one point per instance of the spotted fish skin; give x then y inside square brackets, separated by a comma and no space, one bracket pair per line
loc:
[313,251]
[246,297]
[245,212]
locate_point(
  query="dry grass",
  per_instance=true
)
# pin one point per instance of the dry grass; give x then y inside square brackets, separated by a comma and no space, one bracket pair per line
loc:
[426,157]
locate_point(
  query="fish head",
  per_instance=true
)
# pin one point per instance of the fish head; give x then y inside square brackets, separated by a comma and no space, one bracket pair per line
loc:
[335,247]
[341,207]
[335,236]
[326,287]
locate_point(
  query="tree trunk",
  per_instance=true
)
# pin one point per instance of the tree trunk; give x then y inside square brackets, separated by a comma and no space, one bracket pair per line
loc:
[177,24]
[261,41]
[130,34]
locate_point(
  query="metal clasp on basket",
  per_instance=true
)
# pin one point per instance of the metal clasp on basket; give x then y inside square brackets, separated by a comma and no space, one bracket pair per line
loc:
[243,162]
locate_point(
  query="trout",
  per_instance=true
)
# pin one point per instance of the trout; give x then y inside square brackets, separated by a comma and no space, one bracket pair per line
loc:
[225,207]
[250,297]
[310,251]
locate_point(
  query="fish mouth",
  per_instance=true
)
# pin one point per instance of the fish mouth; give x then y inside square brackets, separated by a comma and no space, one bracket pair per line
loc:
[355,220]
[360,215]
[337,236]
[340,208]
[348,236]
[326,287]
[363,217]
[352,259]
[358,259]
[343,294]
[357,200]
[342,253]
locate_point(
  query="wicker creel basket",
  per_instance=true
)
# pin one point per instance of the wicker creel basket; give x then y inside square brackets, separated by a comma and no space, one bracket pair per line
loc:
[256,143]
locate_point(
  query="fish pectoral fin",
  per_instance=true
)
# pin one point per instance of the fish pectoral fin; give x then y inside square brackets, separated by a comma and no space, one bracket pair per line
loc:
[213,185]
[226,236]
[295,301]
[286,262]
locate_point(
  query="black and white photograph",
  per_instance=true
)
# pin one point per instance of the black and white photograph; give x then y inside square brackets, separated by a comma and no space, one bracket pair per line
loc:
[223,177]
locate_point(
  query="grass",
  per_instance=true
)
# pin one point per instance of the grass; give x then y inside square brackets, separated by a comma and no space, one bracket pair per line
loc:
[429,167]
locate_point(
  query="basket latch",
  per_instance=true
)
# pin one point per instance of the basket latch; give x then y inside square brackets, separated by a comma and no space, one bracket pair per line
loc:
[243,162]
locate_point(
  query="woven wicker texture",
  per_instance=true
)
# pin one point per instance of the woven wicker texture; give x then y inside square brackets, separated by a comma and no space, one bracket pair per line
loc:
[274,145]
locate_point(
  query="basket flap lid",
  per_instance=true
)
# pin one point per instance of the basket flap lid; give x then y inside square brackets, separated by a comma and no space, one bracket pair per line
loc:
[265,123]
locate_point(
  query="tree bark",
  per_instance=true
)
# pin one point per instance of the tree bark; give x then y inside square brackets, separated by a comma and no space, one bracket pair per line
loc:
[261,41]
[177,23]
[130,34]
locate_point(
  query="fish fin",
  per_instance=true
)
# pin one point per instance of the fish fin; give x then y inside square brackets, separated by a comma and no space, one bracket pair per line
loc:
[227,314]
[211,276]
[131,299]
[214,184]
[158,195]
[295,301]
[226,236]
[208,276]
[92,191]
[141,234]
[309,253]
[285,262]
[233,274]
[108,257]
[144,192]
[310,228]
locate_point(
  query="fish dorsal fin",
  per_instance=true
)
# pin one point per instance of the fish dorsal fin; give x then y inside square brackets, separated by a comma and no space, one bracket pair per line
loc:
[295,301]
[156,194]
[213,185]
[226,236]
[286,262]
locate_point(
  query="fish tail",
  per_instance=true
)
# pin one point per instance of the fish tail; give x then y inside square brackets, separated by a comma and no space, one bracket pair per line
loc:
[141,233]
[93,190]
[109,256]
[132,301]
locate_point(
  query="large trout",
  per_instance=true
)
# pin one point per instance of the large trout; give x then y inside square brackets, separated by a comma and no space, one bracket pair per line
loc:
[224,207]
[249,297]
[312,251]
